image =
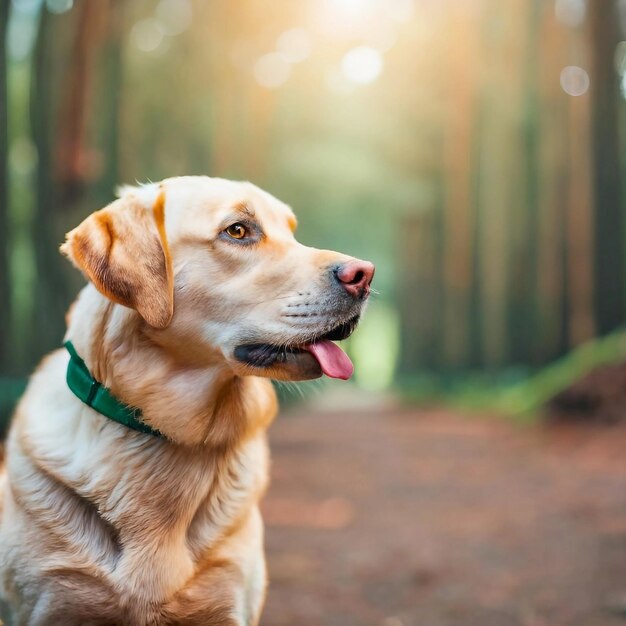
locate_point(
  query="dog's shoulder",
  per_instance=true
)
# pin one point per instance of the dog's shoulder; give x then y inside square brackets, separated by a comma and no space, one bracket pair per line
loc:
[46,391]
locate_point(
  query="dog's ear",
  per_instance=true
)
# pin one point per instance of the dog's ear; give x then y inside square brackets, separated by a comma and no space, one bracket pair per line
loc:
[123,250]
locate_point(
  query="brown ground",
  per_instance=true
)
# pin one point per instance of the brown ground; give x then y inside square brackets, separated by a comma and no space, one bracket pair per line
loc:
[432,519]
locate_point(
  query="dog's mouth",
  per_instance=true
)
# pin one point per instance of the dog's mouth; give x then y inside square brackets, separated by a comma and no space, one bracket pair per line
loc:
[311,358]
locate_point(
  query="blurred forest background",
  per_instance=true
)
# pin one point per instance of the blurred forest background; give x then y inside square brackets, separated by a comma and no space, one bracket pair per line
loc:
[473,149]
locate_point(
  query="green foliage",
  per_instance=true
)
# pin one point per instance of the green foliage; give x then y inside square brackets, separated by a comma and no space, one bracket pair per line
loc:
[519,394]
[10,391]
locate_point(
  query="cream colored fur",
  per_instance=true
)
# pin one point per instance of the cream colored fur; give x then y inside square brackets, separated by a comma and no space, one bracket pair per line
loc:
[105,525]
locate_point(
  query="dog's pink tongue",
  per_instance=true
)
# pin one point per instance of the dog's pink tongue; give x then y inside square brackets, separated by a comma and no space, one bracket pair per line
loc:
[332,359]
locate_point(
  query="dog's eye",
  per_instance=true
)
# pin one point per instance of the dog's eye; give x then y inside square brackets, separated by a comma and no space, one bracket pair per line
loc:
[236,231]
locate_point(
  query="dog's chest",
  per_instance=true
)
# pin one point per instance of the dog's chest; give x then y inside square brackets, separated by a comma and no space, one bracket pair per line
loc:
[142,520]
[171,514]
[165,534]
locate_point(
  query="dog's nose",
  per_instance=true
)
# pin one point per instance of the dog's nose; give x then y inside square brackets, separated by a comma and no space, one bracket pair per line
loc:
[355,277]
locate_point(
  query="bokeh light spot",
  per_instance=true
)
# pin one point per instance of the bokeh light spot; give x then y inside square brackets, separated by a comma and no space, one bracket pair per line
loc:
[570,12]
[294,45]
[59,6]
[271,70]
[147,34]
[26,6]
[574,80]
[362,65]
[22,31]
[22,156]
[620,58]
[375,347]
[174,15]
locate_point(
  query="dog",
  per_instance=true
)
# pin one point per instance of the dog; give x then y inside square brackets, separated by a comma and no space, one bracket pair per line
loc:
[137,457]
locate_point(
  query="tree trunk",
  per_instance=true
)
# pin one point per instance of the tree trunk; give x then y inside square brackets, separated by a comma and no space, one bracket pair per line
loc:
[421,297]
[458,129]
[110,90]
[49,286]
[59,105]
[5,283]
[609,275]
[499,169]
[522,285]
[552,181]
[579,229]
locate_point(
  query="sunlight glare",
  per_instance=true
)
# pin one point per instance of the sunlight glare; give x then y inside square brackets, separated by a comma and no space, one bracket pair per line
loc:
[342,19]
[337,82]
[351,8]
[383,38]
[362,65]
[402,10]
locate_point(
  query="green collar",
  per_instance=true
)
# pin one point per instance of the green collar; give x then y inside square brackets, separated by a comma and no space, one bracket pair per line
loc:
[99,398]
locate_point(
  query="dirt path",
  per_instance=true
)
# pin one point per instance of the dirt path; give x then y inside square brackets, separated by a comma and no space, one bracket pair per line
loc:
[432,519]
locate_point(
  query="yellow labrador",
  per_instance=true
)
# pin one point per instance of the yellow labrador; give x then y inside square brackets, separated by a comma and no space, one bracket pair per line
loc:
[137,457]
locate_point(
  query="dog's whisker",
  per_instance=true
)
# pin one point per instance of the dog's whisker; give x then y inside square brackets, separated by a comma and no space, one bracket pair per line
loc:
[268,300]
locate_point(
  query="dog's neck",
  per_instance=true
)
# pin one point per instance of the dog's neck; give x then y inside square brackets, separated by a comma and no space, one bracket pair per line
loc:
[191,401]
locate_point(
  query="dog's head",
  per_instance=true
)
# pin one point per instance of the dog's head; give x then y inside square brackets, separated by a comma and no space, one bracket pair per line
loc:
[213,268]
